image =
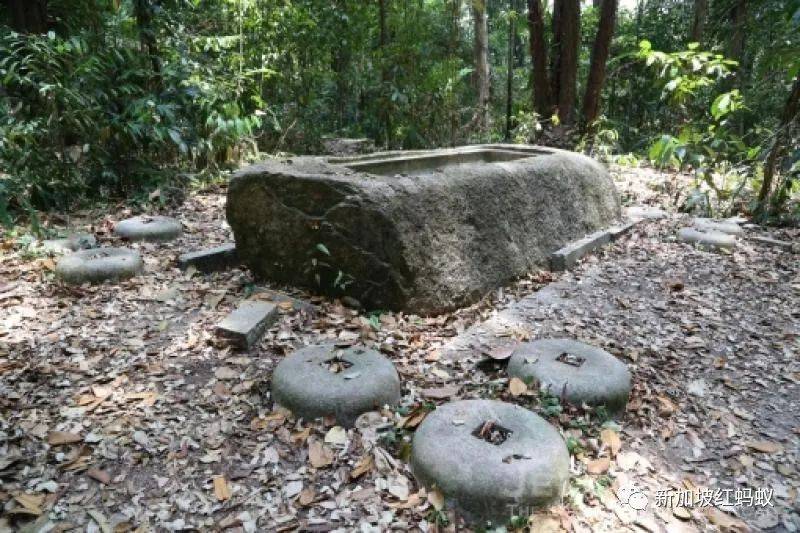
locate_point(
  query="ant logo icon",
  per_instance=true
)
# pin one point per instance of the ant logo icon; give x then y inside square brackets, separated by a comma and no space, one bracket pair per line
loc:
[633,497]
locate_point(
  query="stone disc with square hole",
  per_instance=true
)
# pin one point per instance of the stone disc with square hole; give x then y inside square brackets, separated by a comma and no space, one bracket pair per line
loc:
[714,240]
[323,380]
[578,372]
[491,460]
[99,264]
[148,228]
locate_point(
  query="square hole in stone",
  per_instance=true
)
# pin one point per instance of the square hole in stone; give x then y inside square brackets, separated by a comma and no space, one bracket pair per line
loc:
[492,432]
[336,365]
[570,359]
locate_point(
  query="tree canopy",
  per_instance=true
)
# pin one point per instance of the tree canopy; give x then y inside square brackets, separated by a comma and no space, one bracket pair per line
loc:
[111,97]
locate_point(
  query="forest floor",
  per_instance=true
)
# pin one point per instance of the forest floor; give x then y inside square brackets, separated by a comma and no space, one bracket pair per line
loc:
[120,410]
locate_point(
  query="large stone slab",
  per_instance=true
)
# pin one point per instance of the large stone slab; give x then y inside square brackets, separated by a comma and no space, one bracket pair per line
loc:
[421,231]
[491,460]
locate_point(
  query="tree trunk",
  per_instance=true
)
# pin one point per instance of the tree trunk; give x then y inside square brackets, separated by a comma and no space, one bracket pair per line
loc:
[454,38]
[384,112]
[790,114]
[143,10]
[738,16]
[555,53]
[542,100]
[597,67]
[28,16]
[512,38]
[569,27]
[698,21]
[481,65]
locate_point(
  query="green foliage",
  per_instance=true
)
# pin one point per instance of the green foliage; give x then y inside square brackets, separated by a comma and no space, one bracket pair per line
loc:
[123,94]
[89,115]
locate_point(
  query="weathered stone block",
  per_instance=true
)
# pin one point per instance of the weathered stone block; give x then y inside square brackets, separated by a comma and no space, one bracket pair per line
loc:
[211,259]
[247,323]
[420,231]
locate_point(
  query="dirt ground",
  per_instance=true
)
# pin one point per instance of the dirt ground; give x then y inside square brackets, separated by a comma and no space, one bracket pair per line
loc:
[121,411]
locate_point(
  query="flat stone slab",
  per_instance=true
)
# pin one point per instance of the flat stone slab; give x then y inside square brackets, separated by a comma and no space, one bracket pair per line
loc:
[99,264]
[423,231]
[149,228]
[710,239]
[323,380]
[211,259]
[490,480]
[248,322]
[578,372]
[719,226]
[73,243]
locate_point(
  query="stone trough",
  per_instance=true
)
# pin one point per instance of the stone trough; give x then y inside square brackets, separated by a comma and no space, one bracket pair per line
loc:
[422,231]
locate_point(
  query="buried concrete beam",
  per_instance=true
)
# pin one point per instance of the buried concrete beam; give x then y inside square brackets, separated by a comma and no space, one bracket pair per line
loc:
[211,259]
[247,323]
[568,256]
[767,241]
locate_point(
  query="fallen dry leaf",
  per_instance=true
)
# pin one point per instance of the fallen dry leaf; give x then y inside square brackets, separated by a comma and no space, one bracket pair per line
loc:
[58,438]
[665,407]
[436,499]
[765,446]
[319,455]
[598,466]
[364,465]
[30,502]
[307,496]
[611,439]
[516,386]
[221,489]
[99,475]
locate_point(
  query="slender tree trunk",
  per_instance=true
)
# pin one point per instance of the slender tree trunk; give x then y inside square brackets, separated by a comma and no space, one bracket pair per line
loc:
[738,19]
[698,21]
[385,113]
[597,67]
[542,100]
[569,27]
[790,114]
[143,10]
[481,65]
[555,53]
[27,16]
[512,38]
[454,38]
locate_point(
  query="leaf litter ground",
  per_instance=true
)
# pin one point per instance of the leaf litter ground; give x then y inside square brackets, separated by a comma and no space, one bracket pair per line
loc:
[120,411]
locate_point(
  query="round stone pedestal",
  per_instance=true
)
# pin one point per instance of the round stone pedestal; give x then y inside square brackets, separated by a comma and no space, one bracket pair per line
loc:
[323,380]
[714,240]
[99,264]
[491,460]
[576,371]
[149,228]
